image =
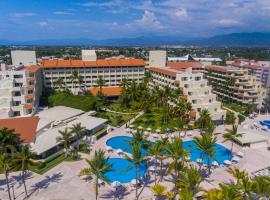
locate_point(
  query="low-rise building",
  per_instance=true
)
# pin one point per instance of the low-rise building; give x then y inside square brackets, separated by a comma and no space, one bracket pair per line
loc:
[195,88]
[235,85]
[112,71]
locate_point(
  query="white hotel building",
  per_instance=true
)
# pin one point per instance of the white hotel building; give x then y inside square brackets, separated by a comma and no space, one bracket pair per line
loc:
[195,88]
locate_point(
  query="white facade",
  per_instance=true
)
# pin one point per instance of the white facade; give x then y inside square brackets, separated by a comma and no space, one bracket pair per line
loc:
[89,55]
[157,58]
[22,57]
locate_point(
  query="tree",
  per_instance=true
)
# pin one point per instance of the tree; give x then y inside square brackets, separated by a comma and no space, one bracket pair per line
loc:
[232,135]
[137,158]
[204,119]
[9,140]
[159,190]
[230,118]
[261,186]
[100,83]
[23,159]
[60,83]
[65,138]
[5,165]
[205,143]
[74,79]
[98,166]
[156,150]
[79,131]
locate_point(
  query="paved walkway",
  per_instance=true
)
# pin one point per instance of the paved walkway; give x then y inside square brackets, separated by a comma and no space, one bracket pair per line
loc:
[123,113]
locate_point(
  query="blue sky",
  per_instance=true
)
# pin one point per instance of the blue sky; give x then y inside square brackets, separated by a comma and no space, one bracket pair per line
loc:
[100,19]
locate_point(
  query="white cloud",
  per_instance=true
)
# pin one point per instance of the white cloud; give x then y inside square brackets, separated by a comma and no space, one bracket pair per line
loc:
[20,15]
[228,22]
[62,13]
[102,4]
[148,19]
[43,24]
[181,13]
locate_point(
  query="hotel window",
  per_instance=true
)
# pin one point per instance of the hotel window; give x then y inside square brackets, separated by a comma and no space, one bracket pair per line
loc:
[184,79]
[197,78]
[194,101]
[189,93]
[186,85]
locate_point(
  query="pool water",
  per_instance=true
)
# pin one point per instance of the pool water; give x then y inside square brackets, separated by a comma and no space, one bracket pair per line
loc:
[221,153]
[120,172]
[265,123]
[122,142]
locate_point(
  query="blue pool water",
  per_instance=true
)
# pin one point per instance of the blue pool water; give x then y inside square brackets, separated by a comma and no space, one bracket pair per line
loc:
[265,123]
[221,153]
[119,172]
[122,142]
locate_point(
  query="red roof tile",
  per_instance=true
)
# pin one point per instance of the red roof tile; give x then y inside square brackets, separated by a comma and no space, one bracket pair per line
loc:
[163,71]
[107,91]
[24,126]
[32,69]
[184,65]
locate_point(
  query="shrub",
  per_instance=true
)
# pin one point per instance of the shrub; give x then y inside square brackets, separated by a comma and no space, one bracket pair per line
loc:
[230,118]
[241,118]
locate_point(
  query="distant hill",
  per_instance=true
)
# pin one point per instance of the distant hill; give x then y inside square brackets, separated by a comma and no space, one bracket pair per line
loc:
[256,39]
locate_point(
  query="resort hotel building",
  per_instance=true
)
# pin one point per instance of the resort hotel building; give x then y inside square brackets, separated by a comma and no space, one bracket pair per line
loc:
[194,86]
[235,85]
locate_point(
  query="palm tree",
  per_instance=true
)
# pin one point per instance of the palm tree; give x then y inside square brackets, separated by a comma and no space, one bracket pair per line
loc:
[80,81]
[5,165]
[139,139]
[74,79]
[60,83]
[204,119]
[261,186]
[23,159]
[176,151]
[212,194]
[186,194]
[206,143]
[79,131]
[9,140]
[65,138]
[156,150]
[98,166]
[159,190]
[180,125]
[232,135]
[100,83]
[137,159]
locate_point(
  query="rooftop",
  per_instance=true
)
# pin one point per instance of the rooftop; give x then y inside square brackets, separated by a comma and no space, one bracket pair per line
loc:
[98,63]
[184,65]
[107,91]
[24,126]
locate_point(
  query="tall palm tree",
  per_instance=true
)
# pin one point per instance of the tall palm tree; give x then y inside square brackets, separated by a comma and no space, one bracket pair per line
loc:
[79,131]
[5,165]
[65,138]
[261,186]
[159,190]
[74,79]
[137,158]
[100,83]
[23,159]
[177,153]
[99,166]
[206,143]
[139,139]
[9,140]
[204,119]
[186,194]
[232,135]
[157,151]
[60,83]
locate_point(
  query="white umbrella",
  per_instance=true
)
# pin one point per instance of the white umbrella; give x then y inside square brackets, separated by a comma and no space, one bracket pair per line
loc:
[100,181]
[239,153]
[215,163]
[167,129]
[158,131]
[116,184]
[182,134]
[235,159]
[108,148]
[128,129]
[133,181]
[155,135]
[119,151]
[131,125]
[140,127]
[227,162]
[199,160]
[151,168]
[189,133]
[149,129]
[265,127]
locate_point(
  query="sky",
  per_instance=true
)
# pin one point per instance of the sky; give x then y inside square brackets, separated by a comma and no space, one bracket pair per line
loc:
[22,20]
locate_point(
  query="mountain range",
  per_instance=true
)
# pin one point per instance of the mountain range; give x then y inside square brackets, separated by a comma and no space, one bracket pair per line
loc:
[255,39]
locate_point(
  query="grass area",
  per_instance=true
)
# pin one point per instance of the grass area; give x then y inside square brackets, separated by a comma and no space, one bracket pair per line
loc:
[114,119]
[84,103]
[118,108]
[154,121]
[235,107]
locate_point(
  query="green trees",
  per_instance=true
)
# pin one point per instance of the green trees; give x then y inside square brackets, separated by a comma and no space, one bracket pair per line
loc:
[79,131]
[230,118]
[137,158]
[204,119]
[5,166]
[65,138]
[9,140]
[232,135]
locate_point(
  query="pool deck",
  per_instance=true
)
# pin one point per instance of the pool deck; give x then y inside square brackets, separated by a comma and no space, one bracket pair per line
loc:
[62,182]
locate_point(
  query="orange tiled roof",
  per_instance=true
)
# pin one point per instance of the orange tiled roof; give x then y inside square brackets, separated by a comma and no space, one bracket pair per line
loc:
[29,87]
[216,68]
[163,71]
[184,65]
[30,78]
[27,106]
[193,113]
[107,91]
[32,69]
[98,63]
[24,126]
[29,96]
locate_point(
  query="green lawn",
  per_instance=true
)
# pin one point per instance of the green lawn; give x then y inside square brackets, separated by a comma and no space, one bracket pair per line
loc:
[118,108]
[235,107]
[114,119]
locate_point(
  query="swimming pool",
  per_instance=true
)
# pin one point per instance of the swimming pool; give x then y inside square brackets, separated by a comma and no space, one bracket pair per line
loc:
[122,142]
[265,123]
[119,172]
[221,153]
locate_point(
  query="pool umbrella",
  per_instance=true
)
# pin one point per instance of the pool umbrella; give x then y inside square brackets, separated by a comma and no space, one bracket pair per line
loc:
[100,182]
[215,163]
[158,131]
[133,181]
[119,151]
[131,125]
[227,162]
[108,148]
[140,127]
[167,129]
[235,159]
[182,134]
[116,184]
[151,168]
[265,127]
[239,153]
[149,129]
[189,133]
[199,160]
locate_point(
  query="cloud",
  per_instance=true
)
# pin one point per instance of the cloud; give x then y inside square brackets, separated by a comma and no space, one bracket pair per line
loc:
[43,24]
[20,15]
[228,22]
[181,13]
[62,13]
[102,4]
